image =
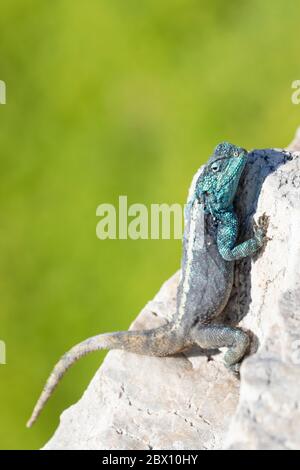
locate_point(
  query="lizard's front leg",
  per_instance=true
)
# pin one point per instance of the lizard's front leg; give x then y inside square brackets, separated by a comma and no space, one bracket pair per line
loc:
[227,235]
[219,336]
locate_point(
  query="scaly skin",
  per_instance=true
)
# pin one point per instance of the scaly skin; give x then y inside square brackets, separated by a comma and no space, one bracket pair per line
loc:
[209,252]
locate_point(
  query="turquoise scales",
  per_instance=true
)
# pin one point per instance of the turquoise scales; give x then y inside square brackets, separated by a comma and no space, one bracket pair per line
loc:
[217,192]
[209,252]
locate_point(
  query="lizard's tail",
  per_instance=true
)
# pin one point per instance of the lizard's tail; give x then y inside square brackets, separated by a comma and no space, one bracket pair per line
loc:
[163,341]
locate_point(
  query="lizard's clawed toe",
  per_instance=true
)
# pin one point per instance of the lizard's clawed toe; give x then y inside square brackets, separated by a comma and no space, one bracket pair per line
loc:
[263,221]
[235,369]
[260,228]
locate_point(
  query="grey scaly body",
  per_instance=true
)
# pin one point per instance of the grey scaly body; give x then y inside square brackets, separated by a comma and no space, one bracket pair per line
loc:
[209,252]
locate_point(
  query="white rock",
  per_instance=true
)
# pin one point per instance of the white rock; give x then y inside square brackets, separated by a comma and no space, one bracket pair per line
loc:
[187,402]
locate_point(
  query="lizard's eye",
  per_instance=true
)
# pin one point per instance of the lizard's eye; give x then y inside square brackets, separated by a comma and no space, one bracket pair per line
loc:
[236,153]
[215,167]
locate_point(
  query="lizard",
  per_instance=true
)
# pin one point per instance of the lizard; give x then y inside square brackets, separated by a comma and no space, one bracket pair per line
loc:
[210,249]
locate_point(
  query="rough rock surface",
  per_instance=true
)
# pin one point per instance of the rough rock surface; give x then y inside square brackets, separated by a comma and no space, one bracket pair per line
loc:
[190,402]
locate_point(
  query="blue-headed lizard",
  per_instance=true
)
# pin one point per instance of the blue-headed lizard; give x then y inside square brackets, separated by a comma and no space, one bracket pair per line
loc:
[209,252]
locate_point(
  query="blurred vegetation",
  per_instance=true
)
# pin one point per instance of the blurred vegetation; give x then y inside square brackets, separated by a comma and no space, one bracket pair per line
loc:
[106,98]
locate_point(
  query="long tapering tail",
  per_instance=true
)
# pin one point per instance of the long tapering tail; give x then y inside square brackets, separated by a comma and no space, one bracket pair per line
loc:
[162,341]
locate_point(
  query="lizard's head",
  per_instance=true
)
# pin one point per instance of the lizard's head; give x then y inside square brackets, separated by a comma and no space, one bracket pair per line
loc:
[221,174]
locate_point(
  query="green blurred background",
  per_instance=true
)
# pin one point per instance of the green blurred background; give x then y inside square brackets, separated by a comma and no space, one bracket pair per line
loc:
[111,97]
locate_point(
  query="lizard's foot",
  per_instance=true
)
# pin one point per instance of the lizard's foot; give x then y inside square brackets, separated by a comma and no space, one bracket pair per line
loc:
[260,229]
[219,336]
[235,369]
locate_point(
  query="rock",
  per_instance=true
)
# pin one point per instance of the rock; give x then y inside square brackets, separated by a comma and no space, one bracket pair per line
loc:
[188,401]
[268,413]
[138,402]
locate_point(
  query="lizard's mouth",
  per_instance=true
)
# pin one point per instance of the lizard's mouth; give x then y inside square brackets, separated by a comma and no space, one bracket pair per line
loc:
[201,197]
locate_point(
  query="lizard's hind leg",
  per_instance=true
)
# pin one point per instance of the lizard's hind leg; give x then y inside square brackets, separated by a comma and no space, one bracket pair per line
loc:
[219,336]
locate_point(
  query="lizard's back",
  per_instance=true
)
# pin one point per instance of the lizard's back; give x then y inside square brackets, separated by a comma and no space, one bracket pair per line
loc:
[206,278]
